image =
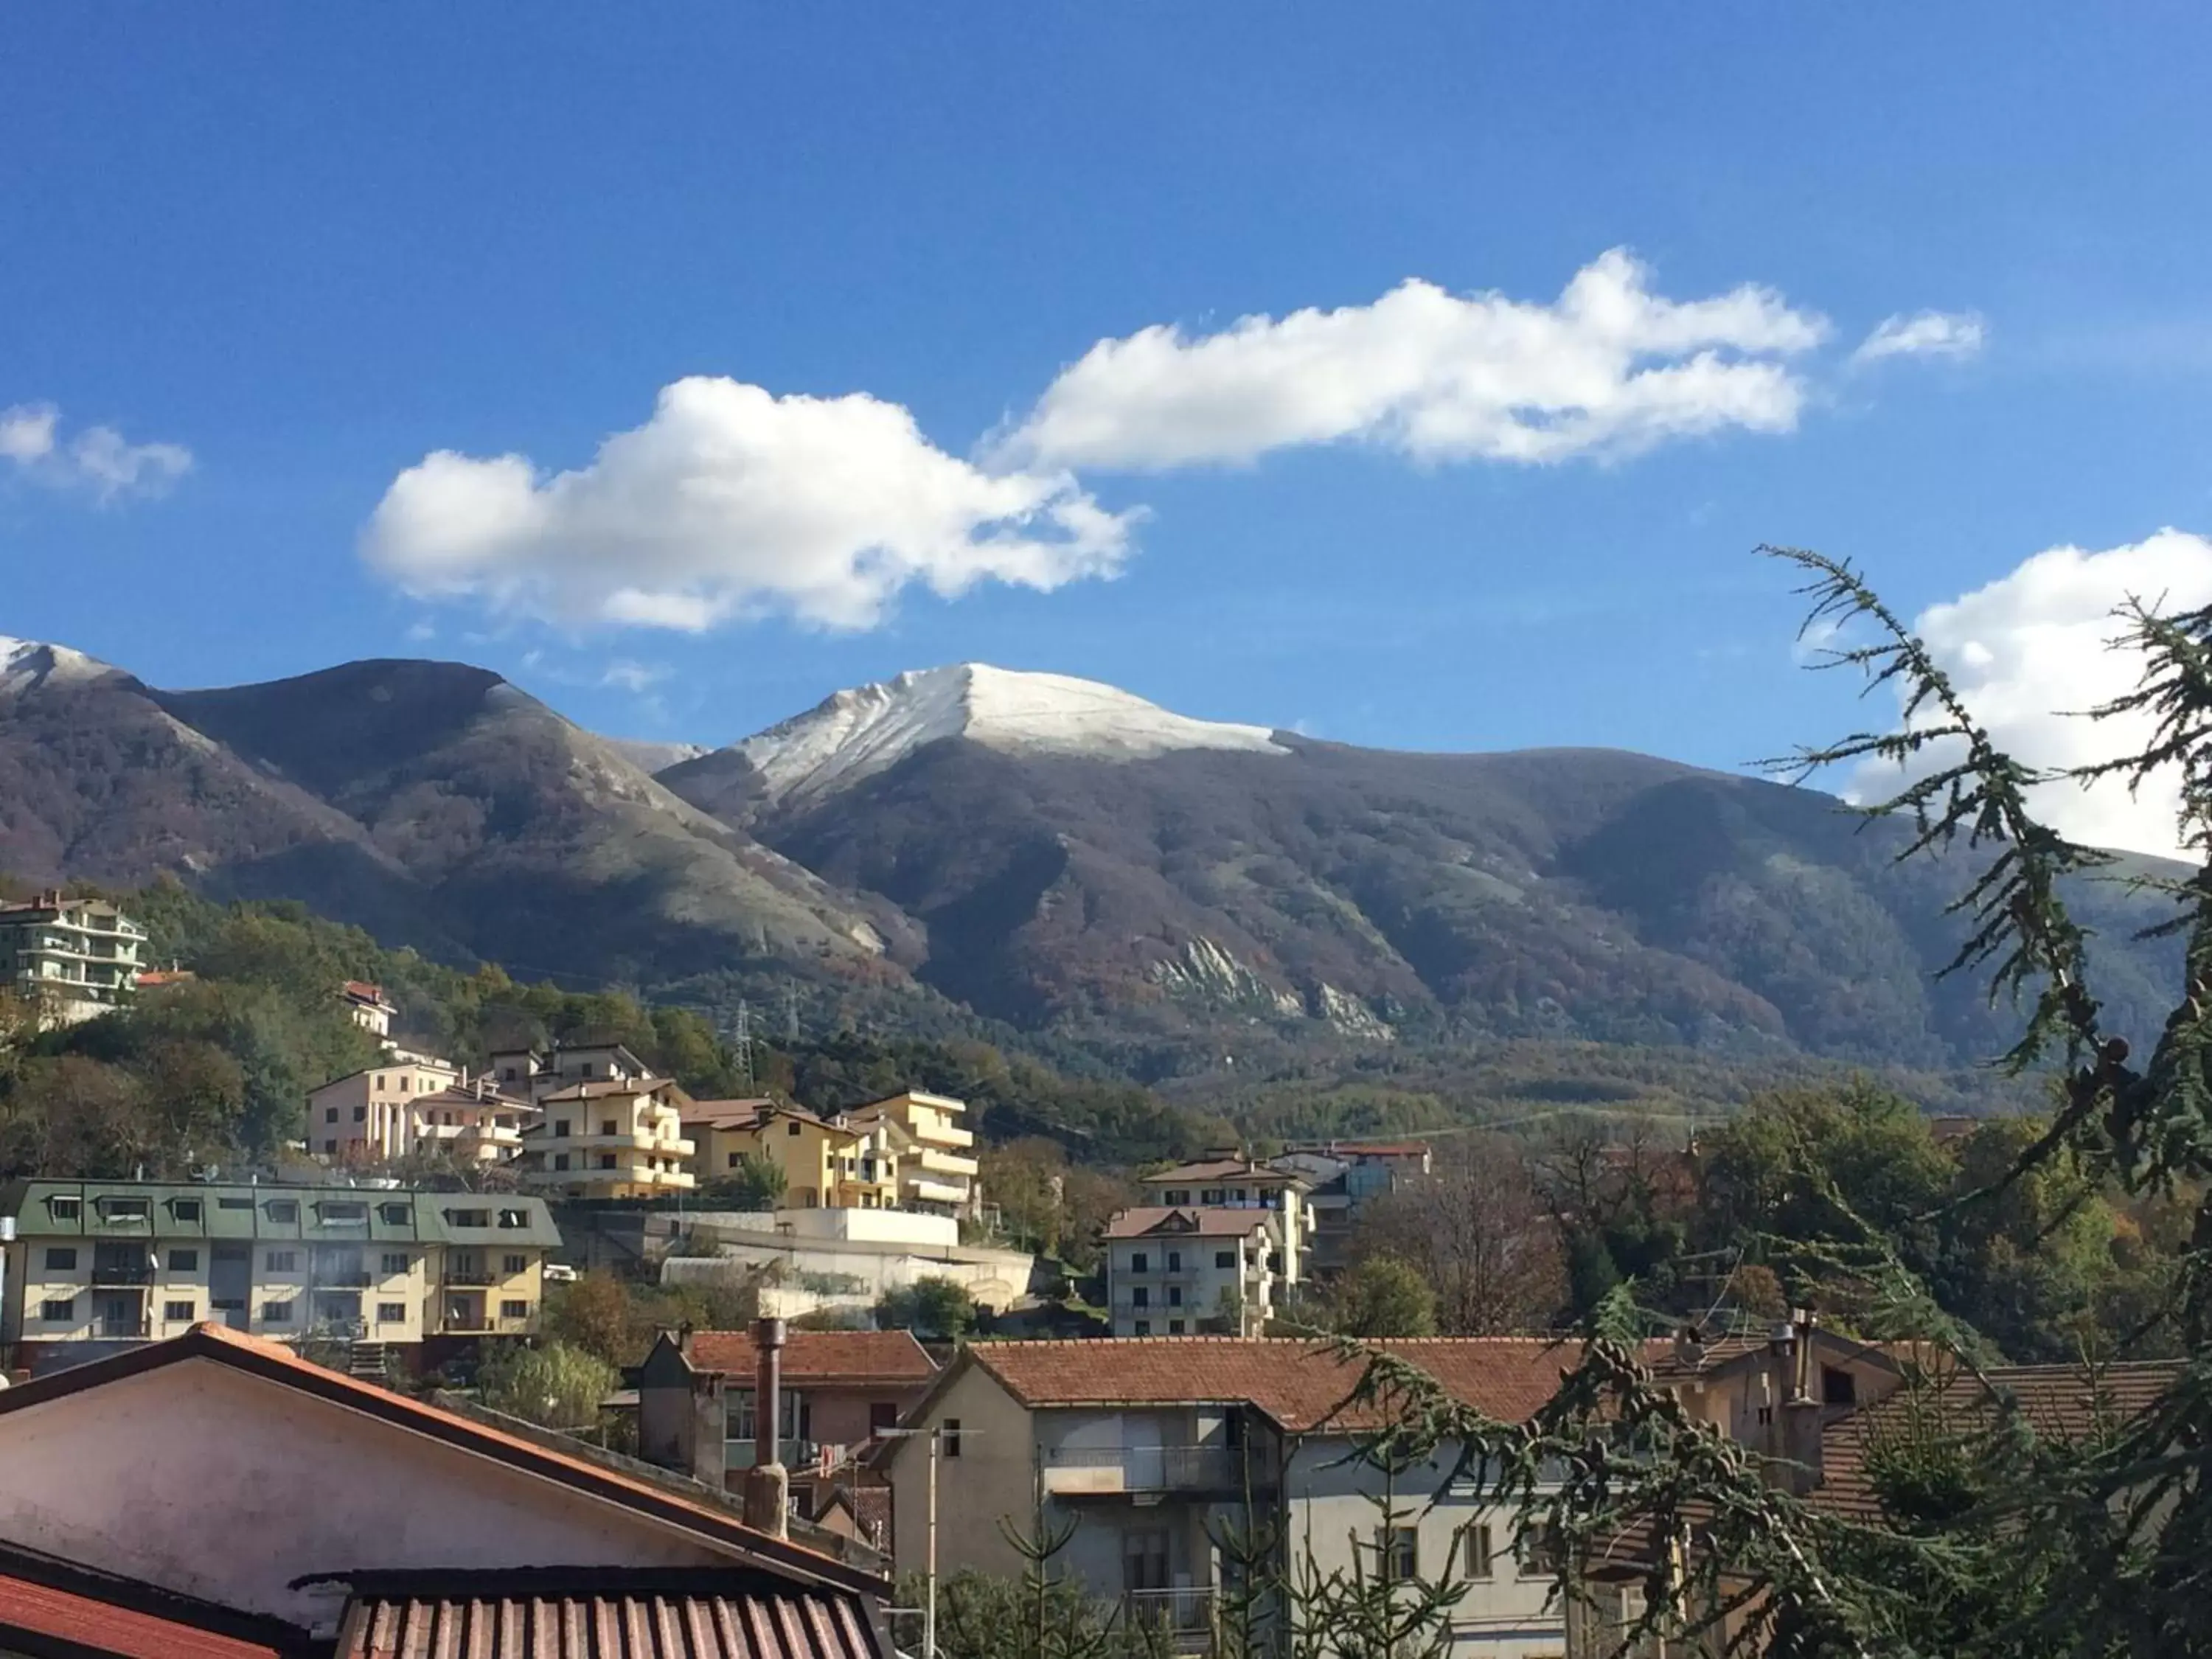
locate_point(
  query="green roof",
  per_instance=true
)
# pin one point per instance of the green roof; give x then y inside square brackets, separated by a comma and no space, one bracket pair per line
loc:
[151,1209]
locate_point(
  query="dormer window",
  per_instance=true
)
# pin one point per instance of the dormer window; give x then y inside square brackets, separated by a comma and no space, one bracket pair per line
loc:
[185,1209]
[394,1215]
[284,1209]
[125,1212]
[65,1207]
[332,1209]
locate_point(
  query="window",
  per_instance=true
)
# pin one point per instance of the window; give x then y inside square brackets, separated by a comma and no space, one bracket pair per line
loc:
[587,1069]
[736,1158]
[1480,1553]
[395,1215]
[1143,1328]
[126,1209]
[284,1209]
[1224,1258]
[185,1209]
[1177,1195]
[1210,1195]
[794,1129]
[1837,1387]
[1175,1262]
[1532,1552]
[330,1113]
[560,1127]
[395,1261]
[234,1204]
[61,1258]
[1175,1296]
[882,1414]
[514,1309]
[1140,1263]
[327,1210]
[403,1083]
[277,1313]
[1398,1549]
[515,1217]
[468,1218]
[1140,1297]
[516,1264]
[361,1114]
[948,1438]
[64,1208]
[606,1160]
[281,1261]
[177,1310]
[392,1313]
[330,1145]
[1274,1262]
[1175,1328]
[560,1160]
[1143,1561]
[184,1261]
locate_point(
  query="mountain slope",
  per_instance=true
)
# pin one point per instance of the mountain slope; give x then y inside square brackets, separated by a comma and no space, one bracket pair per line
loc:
[1306,893]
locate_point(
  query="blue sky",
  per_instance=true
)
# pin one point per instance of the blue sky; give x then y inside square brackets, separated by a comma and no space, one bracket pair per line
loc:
[311,247]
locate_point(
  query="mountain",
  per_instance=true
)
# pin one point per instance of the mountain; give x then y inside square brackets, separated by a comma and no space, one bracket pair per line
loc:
[1166,895]
[432,803]
[1082,861]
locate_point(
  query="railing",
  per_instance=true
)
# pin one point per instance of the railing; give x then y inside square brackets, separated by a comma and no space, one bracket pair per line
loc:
[351,1279]
[1178,1611]
[122,1274]
[791,1453]
[486,1325]
[1107,1470]
[474,1279]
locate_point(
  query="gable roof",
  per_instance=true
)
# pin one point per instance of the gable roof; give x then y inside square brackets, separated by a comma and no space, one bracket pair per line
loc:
[44,1600]
[2059,1402]
[272,1362]
[605,1087]
[1189,1221]
[1222,1168]
[1301,1385]
[725,1113]
[820,1357]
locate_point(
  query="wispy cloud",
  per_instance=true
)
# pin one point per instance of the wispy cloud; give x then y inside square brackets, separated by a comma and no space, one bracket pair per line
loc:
[637,676]
[1924,334]
[96,459]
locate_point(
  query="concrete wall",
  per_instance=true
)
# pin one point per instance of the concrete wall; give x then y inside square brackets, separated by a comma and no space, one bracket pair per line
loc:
[994,1475]
[213,1482]
[997,1279]
[880,1226]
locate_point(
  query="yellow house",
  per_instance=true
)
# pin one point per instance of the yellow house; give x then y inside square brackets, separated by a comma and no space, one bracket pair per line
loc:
[936,1167]
[827,1164]
[619,1138]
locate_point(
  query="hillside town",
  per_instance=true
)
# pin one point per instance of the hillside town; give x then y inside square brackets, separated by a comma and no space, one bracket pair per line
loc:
[903,1395]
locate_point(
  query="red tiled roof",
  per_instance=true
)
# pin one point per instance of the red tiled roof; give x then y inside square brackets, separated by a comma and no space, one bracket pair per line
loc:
[1301,1385]
[2060,1402]
[820,1357]
[1197,1221]
[276,1363]
[571,1612]
[1367,1148]
[1217,1168]
[362,991]
[605,1087]
[45,1599]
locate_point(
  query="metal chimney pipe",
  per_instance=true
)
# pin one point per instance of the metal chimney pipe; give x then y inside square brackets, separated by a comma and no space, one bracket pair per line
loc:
[768,1392]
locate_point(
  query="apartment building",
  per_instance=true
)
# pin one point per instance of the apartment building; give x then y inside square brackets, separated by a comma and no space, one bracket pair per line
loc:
[615,1138]
[1188,1272]
[538,1072]
[100,1264]
[1154,1451]
[405,1105]
[74,958]
[1228,1181]
[936,1167]
[826,1162]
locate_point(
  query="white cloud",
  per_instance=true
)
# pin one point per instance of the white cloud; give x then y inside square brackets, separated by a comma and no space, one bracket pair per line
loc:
[730,501]
[1608,369]
[636,677]
[98,458]
[1924,334]
[2031,649]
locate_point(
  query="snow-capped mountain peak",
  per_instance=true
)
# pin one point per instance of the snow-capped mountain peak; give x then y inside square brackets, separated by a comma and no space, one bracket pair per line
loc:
[27,663]
[854,733]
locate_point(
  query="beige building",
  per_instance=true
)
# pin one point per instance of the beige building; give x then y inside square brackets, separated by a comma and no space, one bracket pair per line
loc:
[406,1105]
[615,1138]
[98,1263]
[826,1162]
[368,1007]
[1230,1182]
[74,958]
[937,1166]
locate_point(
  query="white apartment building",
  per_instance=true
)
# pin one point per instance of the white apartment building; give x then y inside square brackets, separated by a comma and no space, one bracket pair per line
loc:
[74,958]
[407,1105]
[1154,1450]
[1191,1272]
[1226,1181]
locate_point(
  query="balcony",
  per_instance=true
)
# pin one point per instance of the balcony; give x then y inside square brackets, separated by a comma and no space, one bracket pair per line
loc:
[487,1325]
[475,1278]
[791,1453]
[1129,1471]
[947,1163]
[934,1192]
[121,1274]
[349,1278]
[943,1134]
[1184,1616]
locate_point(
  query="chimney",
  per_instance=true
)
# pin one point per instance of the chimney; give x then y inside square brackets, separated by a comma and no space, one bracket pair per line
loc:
[767,1484]
[1690,1346]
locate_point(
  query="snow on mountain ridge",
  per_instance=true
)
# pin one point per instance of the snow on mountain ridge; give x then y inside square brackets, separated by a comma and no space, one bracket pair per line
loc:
[854,733]
[27,663]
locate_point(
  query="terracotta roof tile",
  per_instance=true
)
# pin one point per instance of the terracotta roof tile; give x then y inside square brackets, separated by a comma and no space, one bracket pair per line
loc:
[1188,1221]
[58,1602]
[2061,1402]
[820,1356]
[1301,1384]
[1217,1168]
